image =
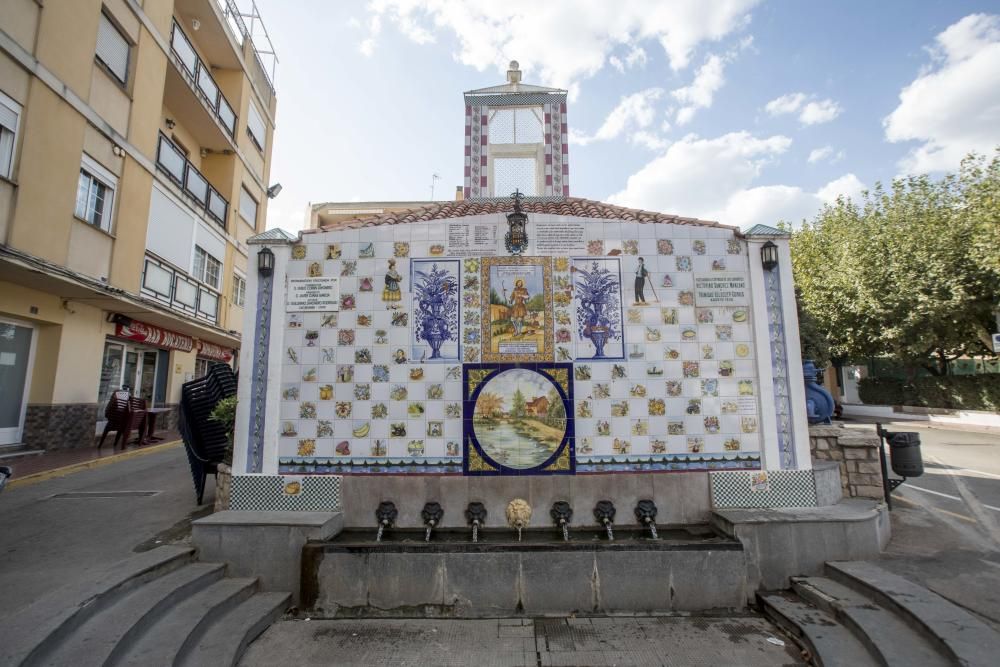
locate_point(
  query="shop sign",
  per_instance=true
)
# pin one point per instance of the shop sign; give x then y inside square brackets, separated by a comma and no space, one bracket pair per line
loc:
[141,332]
[213,351]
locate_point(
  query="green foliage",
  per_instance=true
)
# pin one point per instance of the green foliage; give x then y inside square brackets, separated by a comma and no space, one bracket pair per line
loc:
[911,273]
[812,340]
[536,303]
[957,392]
[225,412]
[517,404]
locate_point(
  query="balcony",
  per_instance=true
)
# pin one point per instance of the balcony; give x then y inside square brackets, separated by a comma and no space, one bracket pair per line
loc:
[179,291]
[172,162]
[200,78]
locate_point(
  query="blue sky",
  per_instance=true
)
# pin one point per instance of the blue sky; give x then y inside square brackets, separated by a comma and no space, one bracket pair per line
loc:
[740,111]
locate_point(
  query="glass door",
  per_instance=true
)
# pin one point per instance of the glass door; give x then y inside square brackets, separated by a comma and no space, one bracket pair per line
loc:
[147,376]
[131,367]
[17,347]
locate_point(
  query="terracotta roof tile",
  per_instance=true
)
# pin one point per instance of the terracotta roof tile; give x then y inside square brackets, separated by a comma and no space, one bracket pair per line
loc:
[571,206]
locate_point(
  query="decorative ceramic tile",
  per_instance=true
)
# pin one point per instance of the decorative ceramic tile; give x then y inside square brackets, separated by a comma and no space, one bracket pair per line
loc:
[435,331]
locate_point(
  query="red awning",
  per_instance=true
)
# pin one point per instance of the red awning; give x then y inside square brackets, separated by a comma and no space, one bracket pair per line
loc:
[213,351]
[147,333]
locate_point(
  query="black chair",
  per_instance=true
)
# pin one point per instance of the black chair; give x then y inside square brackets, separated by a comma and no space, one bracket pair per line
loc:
[205,440]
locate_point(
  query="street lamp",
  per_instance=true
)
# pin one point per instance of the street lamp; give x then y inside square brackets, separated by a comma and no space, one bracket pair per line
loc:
[265,262]
[769,256]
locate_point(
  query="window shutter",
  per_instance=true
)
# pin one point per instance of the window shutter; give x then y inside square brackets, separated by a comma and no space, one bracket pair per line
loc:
[256,125]
[8,115]
[112,49]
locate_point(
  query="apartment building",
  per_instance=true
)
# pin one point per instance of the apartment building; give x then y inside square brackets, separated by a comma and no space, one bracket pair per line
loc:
[135,145]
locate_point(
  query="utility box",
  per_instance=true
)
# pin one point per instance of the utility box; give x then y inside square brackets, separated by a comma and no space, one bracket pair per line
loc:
[907,461]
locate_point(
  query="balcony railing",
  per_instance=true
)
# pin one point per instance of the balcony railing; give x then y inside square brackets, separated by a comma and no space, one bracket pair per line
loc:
[202,79]
[172,162]
[178,290]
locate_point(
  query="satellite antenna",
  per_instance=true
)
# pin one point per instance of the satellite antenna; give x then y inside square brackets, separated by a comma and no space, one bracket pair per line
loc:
[434,177]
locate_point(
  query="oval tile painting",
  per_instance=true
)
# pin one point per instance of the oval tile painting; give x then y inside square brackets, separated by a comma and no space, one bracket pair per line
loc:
[519,420]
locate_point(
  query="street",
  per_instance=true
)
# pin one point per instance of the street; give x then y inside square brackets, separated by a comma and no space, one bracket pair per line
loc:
[946,523]
[55,531]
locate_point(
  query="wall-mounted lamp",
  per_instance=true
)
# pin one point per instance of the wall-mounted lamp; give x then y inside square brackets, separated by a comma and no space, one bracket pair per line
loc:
[265,262]
[204,152]
[195,25]
[769,256]
[274,191]
[171,123]
[118,150]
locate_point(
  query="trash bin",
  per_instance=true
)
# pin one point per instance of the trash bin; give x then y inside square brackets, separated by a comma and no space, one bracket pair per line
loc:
[906,458]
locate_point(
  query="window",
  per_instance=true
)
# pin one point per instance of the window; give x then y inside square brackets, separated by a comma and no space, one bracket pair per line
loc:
[95,194]
[516,126]
[207,269]
[10,114]
[256,129]
[112,49]
[239,290]
[248,207]
[514,173]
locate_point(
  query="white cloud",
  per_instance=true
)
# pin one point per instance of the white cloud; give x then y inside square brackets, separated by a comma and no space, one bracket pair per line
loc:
[633,112]
[789,103]
[820,154]
[822,111]
[714,179]
[636,57]
[810,112]
[649,140]
[562,42]
[953,106]
[699,95]
[848,186]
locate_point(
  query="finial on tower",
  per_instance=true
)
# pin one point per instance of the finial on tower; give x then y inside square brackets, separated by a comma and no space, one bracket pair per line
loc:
[513,73]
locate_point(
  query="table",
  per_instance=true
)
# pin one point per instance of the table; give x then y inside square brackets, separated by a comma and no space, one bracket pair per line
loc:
[151,414]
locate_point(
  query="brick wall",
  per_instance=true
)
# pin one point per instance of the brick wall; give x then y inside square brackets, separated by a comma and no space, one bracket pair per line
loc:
[73,425]
[858,456]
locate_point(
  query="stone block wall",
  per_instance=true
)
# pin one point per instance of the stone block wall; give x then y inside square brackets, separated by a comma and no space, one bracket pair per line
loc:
[858,456]
[59,426]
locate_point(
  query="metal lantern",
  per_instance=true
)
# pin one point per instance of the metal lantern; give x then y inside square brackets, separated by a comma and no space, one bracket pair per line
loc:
[769,256]
[265,262]
[517,234]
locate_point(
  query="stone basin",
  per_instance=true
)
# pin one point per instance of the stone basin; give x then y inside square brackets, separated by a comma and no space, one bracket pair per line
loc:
[689,568]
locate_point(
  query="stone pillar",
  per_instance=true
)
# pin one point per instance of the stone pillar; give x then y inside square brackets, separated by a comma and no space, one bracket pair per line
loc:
[858,456]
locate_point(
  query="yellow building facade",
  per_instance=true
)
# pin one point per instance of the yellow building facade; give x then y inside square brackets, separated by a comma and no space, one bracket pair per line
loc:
[135,144]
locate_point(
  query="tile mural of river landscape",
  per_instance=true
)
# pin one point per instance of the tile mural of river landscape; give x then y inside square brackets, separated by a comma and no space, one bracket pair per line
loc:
[624,351]
[521,418]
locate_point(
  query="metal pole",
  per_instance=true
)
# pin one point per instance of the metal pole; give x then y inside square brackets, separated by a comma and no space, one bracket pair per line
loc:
[886,490]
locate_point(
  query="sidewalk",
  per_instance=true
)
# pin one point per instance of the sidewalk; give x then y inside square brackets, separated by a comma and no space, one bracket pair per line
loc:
[30,469]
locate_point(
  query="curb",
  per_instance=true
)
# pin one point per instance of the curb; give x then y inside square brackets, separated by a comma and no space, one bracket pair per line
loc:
[34,478]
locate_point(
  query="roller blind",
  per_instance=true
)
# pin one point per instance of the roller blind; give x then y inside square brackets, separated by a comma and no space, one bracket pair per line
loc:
[256,127]
[248,207]
[112,49]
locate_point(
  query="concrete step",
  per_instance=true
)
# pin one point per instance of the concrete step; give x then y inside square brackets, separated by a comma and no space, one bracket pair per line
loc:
[113,631]
[18,450]
[228,637]
[28,635]
[829,642]
[957,632]
[881,631]
[185,623]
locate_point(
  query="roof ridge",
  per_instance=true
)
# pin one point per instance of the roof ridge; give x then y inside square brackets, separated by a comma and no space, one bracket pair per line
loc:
[568,206]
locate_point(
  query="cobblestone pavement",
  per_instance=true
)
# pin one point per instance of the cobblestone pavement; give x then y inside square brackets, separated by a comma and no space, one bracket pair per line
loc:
[666,640]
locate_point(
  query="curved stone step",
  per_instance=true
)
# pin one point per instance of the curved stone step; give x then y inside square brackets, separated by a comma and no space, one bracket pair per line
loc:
[965,637]
[28,635]
[116,628]
[226,639]
[184,623]
[831,644]
[879,629]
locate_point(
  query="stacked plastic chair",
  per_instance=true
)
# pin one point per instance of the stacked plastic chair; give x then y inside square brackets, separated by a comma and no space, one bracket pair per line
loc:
[116,412]
[205,439]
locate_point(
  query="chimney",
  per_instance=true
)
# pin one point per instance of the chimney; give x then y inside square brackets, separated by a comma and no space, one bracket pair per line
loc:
[513,73]
[459,193]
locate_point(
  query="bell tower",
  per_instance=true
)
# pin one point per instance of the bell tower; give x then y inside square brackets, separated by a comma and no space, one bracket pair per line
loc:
[516,139]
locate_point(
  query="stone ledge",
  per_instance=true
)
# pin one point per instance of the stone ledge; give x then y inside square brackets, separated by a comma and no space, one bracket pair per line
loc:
[849,509]
[261,518]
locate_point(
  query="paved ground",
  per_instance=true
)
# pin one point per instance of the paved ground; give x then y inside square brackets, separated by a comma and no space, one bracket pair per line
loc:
[687,641]
[48,539]
[24,466]
[946,524]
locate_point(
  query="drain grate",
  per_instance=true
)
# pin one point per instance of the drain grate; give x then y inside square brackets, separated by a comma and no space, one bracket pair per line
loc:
[74,495]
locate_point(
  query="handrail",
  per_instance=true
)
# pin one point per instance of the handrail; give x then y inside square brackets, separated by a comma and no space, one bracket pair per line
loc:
[172,161]
[201,78]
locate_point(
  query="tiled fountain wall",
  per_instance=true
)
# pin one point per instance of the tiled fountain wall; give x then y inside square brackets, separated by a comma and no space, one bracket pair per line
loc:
[358,390]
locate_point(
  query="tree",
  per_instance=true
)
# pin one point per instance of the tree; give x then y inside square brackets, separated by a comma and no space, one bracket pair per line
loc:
[517,404]
[556,414]
[912,272]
